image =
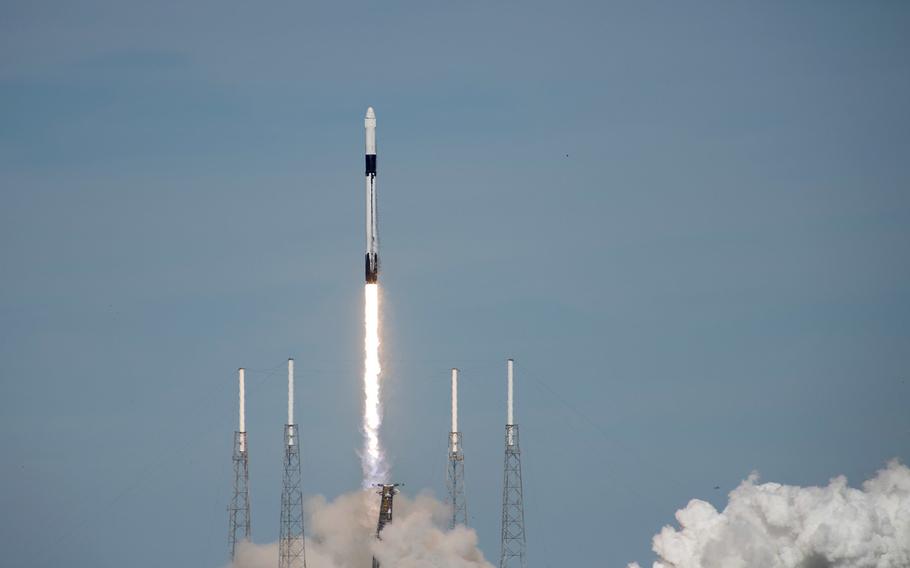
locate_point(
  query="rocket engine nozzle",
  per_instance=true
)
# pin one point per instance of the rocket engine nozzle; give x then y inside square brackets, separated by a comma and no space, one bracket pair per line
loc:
[372,267]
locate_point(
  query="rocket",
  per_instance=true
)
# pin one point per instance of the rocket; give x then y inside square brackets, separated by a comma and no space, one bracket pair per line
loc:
[372,254]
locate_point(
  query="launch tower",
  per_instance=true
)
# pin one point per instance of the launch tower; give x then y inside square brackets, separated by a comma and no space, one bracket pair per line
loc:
[291,550]
[387,491]
[455,468]
[512,551]
[239,509]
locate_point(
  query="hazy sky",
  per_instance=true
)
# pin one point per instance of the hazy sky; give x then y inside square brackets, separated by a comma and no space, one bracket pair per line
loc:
[688,222]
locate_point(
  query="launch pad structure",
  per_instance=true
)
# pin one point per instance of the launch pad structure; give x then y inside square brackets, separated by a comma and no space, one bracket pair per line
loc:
[387,492]
[239,508]
[291,546]
[512,546]
[455,468]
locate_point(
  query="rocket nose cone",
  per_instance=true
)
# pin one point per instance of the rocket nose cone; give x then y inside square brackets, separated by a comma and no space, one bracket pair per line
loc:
[370,113]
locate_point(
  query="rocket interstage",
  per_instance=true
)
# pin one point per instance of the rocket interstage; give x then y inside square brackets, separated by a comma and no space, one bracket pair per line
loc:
[372,228]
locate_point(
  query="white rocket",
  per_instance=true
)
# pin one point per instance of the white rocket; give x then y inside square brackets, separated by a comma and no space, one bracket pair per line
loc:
[372,255]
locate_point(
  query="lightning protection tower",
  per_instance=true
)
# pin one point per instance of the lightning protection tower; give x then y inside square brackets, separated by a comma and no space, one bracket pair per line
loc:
[291,549]
[512,551]
[387,491]
[455,469]
[239,509]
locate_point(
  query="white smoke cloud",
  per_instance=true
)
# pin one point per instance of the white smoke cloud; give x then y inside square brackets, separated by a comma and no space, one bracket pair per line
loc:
[340,534]
[417,541]
[250,555]
[770,525]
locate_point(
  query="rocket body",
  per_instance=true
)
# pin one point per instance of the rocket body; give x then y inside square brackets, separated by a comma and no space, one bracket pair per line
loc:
[372,252]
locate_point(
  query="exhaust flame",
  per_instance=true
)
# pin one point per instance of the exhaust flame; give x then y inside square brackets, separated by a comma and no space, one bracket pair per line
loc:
[372,458]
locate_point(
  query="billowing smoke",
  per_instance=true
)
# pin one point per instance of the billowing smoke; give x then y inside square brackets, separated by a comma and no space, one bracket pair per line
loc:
[769,525]
[341,534]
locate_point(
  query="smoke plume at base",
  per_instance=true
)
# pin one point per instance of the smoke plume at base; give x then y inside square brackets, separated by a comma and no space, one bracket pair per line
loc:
[770,525]
[341,534]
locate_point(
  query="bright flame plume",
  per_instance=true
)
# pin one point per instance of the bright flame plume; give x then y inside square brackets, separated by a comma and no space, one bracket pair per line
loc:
[372,459]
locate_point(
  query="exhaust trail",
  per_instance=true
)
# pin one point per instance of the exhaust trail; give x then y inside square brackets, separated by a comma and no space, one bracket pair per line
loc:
[373,460]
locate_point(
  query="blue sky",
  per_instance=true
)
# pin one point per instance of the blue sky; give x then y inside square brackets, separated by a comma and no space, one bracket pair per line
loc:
[689,224]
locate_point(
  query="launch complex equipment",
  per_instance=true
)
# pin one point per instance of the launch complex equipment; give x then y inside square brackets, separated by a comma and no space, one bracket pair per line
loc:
[291,547]
[239,509]
[291,551]
[455,469]
[512,547]
[388,492]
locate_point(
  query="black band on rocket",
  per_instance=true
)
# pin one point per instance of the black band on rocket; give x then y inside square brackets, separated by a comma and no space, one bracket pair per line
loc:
[371,164]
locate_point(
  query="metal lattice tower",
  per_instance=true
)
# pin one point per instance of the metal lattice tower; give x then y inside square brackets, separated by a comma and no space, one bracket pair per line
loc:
[512,551]
[291,547]
[239,509]
[455,469]
[387,491]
